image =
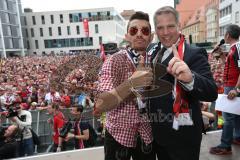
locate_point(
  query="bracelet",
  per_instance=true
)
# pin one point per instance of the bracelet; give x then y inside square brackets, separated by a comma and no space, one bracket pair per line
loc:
[133,90]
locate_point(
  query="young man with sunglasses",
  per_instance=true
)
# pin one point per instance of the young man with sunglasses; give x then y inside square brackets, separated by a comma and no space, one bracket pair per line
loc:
[128,134]
[177,130]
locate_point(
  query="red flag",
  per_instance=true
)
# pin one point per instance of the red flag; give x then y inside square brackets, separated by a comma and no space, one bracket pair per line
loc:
[102,55]
[86,27]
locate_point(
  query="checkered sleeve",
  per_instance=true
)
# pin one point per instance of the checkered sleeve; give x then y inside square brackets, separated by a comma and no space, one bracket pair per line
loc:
[110,75]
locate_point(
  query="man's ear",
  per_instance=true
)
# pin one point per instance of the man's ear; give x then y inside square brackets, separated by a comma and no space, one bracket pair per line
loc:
[227,35]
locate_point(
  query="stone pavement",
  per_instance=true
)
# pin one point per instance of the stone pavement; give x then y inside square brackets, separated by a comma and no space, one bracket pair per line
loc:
[213,139]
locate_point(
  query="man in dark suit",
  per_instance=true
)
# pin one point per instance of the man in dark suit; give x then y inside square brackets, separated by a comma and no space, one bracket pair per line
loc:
[177,124]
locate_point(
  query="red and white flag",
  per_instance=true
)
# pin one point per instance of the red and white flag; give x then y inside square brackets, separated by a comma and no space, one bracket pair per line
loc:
[102,53]
[86,27]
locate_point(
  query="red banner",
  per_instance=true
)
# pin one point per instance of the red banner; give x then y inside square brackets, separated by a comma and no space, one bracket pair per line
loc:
[86,27]
[102,54]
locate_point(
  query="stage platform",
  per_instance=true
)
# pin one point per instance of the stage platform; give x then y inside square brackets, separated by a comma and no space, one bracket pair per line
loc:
[209,140]
[213,139]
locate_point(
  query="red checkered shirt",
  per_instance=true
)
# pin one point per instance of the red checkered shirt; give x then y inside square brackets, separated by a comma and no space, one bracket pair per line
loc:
[124,121]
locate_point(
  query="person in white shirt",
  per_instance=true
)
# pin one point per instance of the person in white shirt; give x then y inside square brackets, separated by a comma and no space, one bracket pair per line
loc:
[24,121]
[52,96]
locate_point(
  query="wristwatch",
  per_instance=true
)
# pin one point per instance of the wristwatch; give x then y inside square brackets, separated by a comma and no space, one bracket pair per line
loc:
[237,89]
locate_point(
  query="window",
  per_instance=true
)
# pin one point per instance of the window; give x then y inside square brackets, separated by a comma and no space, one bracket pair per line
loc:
[25,21]
[26,32]
[59,31]
[90,16]
[43,19]
[108,15]
[96,28]
[32,32]
[41,32]
[52,19]
[72,42]
[237,17]
[78,42]
[80,17]
[50,31]
[100,39]
[61,18]
[68,30]
[36,44]
[78,29]
[28,45]
[226,11]
[68,42]
[70,18]
[75,17]
[33,20]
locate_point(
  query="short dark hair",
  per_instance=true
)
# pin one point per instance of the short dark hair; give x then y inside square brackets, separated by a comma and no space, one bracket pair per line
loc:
[234,31]
[139,15]
[79,107]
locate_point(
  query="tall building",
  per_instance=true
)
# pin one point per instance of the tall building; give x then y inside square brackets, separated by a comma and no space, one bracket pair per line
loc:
[194,29]
[64,32]
[212,21]
[229,14]
[236,10]
[186,9]
[11,36]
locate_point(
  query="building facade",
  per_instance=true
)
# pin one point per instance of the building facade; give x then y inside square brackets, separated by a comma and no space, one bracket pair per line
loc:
[236,10]
[228,11]
[64,32]
[194,29]
[11,35]
[186,9]
[212,17]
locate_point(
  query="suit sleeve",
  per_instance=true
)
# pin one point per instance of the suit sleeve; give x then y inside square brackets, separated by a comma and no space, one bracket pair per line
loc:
[204,88]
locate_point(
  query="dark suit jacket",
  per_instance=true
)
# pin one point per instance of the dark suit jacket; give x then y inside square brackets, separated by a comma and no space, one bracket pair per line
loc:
[161,108]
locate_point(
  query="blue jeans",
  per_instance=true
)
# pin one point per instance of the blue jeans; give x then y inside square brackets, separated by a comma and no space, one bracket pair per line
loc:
[26,147]
[231,127]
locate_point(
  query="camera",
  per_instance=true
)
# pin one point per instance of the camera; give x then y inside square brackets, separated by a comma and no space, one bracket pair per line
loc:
[65,129]
[11,113]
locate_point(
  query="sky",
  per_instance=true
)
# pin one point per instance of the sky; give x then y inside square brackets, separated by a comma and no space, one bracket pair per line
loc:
[148,6]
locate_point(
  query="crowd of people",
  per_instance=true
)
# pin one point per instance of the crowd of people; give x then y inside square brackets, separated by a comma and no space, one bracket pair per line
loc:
[46,83]
[139,125]
[29,80]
